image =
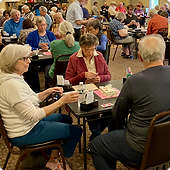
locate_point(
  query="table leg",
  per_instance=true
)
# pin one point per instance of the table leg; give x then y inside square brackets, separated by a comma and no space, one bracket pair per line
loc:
[84,143]
[78,122]
[136,49]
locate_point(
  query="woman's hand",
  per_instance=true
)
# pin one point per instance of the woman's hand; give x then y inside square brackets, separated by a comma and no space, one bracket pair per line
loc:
[53,90]
[90,75]
[70,98]
[96,79]
[44,46]
[44,94]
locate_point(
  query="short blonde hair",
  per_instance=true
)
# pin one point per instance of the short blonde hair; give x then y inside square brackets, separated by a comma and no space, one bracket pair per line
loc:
[67,31]
[40,19]
[10,54]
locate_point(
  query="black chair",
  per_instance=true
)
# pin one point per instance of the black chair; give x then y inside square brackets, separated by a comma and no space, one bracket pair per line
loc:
[24,150]
[163,32]
[60,69]
[110,36]
[157,149]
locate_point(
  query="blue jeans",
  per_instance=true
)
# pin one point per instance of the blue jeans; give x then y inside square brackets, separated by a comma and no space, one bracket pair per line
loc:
[107,148]
[55,126]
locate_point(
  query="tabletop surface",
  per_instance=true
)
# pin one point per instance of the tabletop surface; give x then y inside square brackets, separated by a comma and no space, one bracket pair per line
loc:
[78,113]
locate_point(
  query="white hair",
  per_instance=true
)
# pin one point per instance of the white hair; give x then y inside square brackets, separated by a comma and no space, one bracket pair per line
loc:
[67,31]
[25,7]
[14,11]
[10,54]
[120,16]
[1,11]
[152,12]
[54,8]
[43,8]
[152,48]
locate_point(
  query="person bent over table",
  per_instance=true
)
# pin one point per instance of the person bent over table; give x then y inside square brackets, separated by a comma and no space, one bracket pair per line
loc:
[40,38]
[31,124]
[143,96]
[88,66]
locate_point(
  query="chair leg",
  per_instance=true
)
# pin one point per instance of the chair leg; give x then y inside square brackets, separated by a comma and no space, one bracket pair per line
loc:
[6,161]
[114,53]
[62,156]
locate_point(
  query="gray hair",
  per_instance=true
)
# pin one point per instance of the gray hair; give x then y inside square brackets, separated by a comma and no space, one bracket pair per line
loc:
[88,40]
[157,7]
[152,12]
[152,48]
[1,11]
[14,11]
[95,24]
[67,31]
[167,5]
[25,7]
[40,19]
[10,54]
[43,8]
[120,16]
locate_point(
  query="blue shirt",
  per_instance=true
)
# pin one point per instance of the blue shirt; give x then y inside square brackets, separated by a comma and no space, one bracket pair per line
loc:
[48,21]
[44,39]
[12,27]
[115,26]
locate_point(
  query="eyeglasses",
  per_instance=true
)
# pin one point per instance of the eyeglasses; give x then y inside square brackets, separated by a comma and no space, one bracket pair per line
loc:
[25,58]
[89,50]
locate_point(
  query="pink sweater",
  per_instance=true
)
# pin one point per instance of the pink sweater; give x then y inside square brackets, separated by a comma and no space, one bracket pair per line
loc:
[76,69]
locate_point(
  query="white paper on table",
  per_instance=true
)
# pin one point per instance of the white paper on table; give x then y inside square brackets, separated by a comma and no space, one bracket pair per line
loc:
[60,80]
[66,82]
[89,97]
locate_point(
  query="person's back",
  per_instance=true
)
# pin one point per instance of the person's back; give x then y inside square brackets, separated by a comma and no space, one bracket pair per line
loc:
[150,92]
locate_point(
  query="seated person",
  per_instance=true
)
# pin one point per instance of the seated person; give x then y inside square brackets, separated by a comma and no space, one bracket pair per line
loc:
[14,25]
[143,96]
[140,14]
[67,45]
[58,19]
[120,33]
[95,27]
[64,10]
[28,26]
[31,124]
[131,20]
[88,66]
[27,13]
[40,38]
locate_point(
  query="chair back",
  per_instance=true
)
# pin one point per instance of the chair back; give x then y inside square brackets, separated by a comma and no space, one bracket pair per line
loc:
[107,51]
[61,65]
[110,35]
[5,137]
[157,148]
[163,32]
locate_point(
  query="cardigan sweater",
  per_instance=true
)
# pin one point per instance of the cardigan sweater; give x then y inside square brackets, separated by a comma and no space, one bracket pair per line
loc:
[76,69]
[33,38]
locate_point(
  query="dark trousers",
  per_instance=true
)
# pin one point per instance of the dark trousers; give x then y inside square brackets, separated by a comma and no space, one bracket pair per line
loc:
[77,34]
[98,125]
[107,148]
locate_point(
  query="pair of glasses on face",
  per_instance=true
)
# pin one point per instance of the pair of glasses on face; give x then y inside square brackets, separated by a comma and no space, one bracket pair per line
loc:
[25,58]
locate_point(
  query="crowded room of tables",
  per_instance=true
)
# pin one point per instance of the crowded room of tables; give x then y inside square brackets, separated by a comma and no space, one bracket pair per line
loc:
[83,85]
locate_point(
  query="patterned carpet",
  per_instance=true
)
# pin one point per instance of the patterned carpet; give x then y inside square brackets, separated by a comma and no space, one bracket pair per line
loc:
[118,71]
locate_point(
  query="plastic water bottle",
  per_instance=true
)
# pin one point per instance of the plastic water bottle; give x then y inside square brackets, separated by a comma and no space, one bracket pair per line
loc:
[131,56]
[81,91]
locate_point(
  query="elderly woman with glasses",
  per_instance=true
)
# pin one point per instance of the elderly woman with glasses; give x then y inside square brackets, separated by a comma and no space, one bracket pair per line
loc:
[25,122]
[88,66]
[40,38]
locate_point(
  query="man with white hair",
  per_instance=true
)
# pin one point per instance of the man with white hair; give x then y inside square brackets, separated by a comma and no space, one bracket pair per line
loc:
[14,25]
[27,12]
[120,8]
[58,19]
[156,22]
[141,98]
[43,12]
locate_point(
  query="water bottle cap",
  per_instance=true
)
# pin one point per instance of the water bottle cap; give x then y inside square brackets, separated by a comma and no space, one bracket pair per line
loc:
[80,83]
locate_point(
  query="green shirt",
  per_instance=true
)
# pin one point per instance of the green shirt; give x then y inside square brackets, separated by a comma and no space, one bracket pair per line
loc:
[58,47]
